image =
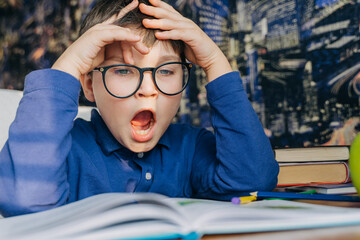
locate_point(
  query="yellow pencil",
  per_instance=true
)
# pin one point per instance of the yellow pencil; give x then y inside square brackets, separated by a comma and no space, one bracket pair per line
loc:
[243,200]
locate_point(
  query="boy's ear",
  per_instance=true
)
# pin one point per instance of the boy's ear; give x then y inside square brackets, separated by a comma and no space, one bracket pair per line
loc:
[86,83]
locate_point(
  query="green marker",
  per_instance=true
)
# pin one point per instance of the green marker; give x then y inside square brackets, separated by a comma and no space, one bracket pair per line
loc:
[354,163]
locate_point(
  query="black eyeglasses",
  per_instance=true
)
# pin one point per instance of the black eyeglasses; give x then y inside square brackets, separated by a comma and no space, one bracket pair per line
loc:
[123,80]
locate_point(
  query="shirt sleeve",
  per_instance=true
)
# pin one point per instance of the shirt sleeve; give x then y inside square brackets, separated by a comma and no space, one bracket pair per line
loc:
[238,156]
[33,169]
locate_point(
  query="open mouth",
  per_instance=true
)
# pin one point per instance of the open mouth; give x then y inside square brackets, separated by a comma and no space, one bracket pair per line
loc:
[142,123]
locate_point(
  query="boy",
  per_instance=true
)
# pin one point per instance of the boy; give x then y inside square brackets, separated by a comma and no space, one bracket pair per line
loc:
[135,71]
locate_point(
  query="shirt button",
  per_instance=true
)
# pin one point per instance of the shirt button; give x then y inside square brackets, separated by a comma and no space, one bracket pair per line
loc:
[148,176]
[140,155]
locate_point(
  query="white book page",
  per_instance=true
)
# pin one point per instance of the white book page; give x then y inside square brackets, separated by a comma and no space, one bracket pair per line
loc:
[124,215]
[122,222]
[214,217]
[95,212]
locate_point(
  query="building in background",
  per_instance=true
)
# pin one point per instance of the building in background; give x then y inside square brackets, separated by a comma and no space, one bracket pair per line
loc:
[308,67]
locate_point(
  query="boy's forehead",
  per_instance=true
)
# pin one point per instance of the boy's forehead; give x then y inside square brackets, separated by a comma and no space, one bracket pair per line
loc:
[162,47]
[165,45]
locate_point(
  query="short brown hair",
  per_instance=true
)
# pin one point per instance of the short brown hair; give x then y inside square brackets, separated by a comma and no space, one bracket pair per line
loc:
[105,9]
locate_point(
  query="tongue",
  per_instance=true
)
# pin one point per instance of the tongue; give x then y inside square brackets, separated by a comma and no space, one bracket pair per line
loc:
[142,119]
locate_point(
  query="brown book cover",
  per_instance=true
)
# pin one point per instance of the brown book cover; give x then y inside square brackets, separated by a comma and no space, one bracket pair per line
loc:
[313,173]
[310,154]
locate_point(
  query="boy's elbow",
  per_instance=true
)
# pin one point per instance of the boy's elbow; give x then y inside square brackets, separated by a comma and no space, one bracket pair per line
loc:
[263,184]
[14,205]
[15,209]
[263,177]
[269,185]
[268,177]
[10,210]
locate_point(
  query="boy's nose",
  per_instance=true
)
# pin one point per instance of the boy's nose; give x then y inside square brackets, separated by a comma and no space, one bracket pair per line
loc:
[147,88]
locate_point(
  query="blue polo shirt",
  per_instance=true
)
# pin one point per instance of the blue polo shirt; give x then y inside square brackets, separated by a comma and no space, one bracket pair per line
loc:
[50,159]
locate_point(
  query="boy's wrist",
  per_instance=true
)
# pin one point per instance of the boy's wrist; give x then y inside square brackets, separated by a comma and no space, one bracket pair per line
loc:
[64,69]
[58,65]
[218,68]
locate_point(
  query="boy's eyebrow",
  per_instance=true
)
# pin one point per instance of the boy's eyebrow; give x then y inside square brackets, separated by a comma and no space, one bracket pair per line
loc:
[162,59]
[116,59]
[170,57]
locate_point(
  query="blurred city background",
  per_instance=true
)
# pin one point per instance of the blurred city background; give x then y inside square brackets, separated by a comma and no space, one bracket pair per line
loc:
[299,59]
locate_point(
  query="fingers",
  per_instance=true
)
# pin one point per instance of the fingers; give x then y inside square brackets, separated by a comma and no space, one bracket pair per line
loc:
[166,18]
[173,35]
[87,51]
[160,10]
[161,4]
[126,37]
[127,53]
[131,6]
[181,29]
[108,34]
[141,47]
[162,24]
[131,40]
[173,24]
[102,35]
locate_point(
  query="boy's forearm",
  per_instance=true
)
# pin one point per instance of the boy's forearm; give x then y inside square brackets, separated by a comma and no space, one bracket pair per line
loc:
[244,158]
[240,133]
[33,171]
[219,67]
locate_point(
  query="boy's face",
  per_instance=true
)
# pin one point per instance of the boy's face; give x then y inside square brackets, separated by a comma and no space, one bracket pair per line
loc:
[137,122]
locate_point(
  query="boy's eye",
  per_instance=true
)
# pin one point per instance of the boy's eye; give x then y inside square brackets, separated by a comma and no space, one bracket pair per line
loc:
[165,72]
[122,71]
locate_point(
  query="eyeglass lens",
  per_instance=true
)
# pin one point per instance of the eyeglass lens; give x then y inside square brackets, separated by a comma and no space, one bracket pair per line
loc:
[123,81]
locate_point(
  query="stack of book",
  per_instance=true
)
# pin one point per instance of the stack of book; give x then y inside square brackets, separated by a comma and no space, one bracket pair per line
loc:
[313,165]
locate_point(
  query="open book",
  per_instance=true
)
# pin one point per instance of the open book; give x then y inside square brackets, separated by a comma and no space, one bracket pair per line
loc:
[153,216]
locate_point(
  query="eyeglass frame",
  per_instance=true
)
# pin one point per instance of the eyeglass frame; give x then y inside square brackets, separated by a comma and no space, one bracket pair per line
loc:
[141,71]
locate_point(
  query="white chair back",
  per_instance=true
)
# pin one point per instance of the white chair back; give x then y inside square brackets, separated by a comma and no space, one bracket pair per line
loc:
[9,102]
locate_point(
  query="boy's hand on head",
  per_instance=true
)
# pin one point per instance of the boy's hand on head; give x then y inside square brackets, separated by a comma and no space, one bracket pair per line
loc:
[200,49]
[88,51]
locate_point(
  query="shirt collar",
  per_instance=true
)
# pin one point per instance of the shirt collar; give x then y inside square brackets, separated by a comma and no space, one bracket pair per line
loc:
[108,142]
[165,139]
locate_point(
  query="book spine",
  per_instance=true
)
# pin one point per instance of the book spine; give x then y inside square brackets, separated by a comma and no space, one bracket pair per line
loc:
[317,183]
[348,177]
